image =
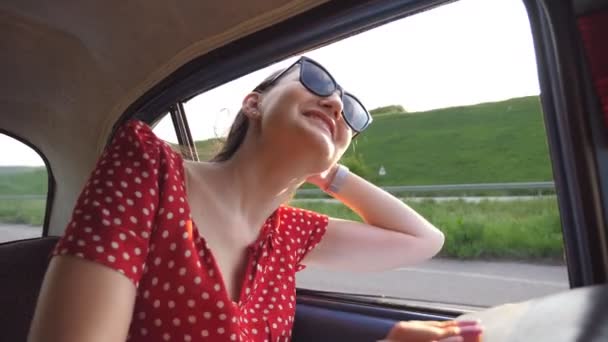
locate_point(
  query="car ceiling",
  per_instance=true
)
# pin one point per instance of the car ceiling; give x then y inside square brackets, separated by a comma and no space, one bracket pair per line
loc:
[71,68]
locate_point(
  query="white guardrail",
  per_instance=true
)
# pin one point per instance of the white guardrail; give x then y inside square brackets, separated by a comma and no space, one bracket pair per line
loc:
[534,186]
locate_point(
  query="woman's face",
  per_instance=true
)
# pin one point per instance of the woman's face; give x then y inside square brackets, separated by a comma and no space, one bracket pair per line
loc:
[309,125]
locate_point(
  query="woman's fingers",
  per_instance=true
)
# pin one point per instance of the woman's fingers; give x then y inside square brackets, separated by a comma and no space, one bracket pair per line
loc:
[451,331]
[452,339]
[426,331]
[439,324]
[445,324]
[414,332]
[465,331]
[460,323]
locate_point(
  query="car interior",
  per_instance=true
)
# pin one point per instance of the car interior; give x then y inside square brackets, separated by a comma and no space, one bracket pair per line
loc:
[74,71]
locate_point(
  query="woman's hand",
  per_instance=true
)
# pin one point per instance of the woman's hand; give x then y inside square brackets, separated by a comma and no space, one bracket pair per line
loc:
[432,331]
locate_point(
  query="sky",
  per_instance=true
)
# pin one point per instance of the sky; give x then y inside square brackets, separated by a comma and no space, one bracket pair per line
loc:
[466,52]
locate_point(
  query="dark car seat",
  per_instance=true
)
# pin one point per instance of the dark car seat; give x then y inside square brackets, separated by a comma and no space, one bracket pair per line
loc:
[23,264]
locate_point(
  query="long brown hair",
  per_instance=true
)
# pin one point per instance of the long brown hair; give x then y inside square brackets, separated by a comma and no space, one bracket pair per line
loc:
[240,126]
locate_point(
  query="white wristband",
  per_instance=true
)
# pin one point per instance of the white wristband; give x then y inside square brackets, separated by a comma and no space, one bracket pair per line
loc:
[339,179]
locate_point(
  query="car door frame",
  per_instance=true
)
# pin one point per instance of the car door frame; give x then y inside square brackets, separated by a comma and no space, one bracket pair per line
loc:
[567,98]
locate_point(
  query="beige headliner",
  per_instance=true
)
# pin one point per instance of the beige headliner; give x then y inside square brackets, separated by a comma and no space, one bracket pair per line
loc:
[71,68]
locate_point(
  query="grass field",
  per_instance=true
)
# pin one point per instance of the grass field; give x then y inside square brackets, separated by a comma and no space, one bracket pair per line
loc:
[518,230]
[22,211]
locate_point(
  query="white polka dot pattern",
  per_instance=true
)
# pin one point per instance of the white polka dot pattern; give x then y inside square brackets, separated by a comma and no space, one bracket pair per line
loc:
[139,224]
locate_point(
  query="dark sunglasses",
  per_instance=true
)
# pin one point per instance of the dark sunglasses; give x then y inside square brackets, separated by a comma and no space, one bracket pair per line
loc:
[320,82]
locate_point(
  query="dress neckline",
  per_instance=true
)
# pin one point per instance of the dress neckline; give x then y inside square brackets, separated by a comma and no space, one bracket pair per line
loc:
[264,233]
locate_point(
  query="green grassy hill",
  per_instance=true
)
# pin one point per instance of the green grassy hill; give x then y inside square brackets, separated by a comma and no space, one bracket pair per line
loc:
[23,180]
[491,142]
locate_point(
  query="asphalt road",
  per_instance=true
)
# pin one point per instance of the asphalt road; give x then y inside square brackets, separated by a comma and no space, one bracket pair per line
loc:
[10,232]
[449,282]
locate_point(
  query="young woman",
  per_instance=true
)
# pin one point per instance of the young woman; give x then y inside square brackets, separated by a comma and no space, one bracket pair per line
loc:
[163,249]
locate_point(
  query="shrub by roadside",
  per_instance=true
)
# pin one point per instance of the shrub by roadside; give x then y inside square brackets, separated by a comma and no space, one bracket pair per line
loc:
[520,230]
[29,212]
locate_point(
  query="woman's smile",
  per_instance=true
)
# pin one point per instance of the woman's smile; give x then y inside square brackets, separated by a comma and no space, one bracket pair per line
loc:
[322,120]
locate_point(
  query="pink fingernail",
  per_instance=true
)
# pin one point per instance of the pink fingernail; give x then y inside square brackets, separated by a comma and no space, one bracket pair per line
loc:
[468,322]
[471,330]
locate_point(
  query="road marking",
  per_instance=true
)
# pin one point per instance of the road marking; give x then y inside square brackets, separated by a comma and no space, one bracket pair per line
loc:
[487,276]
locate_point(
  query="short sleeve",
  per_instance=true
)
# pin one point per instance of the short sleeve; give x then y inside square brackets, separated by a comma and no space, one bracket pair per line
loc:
[310,228]
[114,214]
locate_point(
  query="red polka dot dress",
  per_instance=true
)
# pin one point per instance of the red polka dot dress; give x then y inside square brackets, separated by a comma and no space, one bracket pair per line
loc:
[133,217]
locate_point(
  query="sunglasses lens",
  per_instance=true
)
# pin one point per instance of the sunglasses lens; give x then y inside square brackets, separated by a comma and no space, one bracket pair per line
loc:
[355,114]
[317,80]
